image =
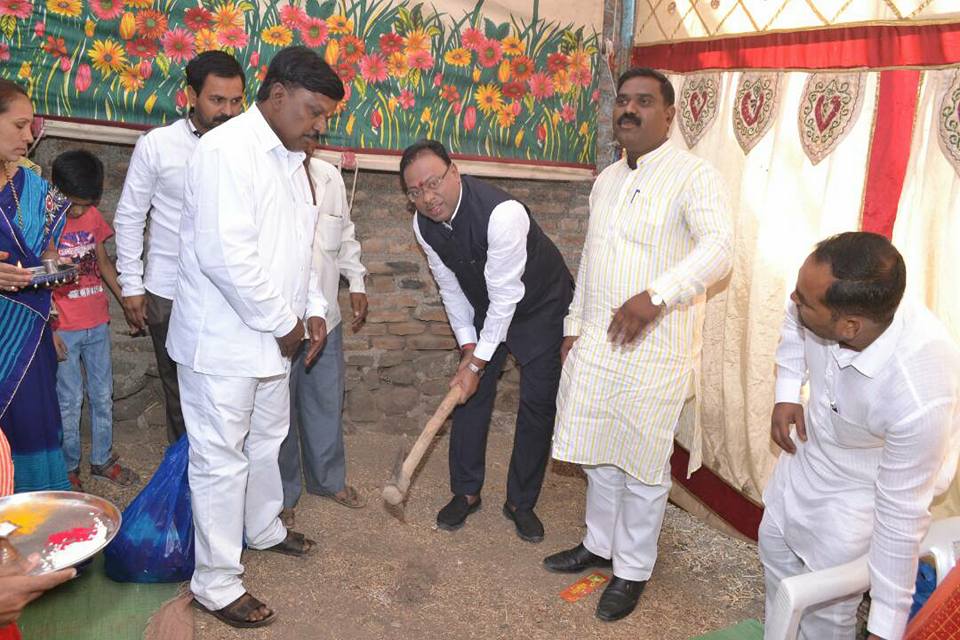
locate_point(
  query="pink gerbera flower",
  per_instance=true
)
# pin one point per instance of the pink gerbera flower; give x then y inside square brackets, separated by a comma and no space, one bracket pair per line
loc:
[292,16]
[106,9]
[373,68]
[197,18]
[16,8]
[568,113]
[406,99]
[233,37]
[472,39]
[142,48]
[541,85]
[489,53]
[420,60]
[314,31]
[178,44]
[390,43]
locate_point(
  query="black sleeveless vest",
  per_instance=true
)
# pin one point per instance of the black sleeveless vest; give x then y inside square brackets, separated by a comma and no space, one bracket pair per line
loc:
[537,323]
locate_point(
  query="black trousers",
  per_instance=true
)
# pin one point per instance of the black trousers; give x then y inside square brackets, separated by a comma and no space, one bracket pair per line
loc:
[539,380]
[158,319]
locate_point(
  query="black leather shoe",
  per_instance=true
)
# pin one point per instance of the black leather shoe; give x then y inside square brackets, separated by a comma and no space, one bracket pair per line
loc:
[452,516]
[574,560]
[619,599]
[529,527]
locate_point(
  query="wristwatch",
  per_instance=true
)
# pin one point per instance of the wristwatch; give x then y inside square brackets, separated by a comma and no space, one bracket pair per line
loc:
[474,368]
[657,299]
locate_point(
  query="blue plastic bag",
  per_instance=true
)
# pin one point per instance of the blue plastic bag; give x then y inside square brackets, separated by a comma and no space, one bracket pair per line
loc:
[155,541]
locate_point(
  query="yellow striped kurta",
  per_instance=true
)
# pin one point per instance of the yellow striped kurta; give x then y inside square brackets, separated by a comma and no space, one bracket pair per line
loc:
[662,226]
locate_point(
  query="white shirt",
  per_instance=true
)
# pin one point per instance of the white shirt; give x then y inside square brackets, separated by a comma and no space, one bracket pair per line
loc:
[154,186]
[246,236]
[336,251]
[506,260]
[883,434]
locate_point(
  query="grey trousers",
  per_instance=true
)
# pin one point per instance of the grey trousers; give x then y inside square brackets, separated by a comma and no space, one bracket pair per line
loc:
[158,319]
[316,429]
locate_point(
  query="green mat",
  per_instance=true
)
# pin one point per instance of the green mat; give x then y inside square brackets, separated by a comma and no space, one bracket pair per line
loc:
[746,630]
[94,607]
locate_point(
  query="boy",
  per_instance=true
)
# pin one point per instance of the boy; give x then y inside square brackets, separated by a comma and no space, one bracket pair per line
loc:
[82,328]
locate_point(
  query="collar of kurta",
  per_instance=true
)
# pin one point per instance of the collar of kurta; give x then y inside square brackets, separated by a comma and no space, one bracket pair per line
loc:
[268,140]
[871,360]
[649,157]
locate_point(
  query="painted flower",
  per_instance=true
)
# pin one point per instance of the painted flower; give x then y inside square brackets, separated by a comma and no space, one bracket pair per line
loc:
[595,96]
[292,16]
[514,90]
[69,8]
[89,27]
[227,15]
[561,82]
[580,76]
[138,4]
[151,23]
[373,68]
[584,130]
[437,79]
[541,86]
[506,118]
[130,78]
[66,64]
[580,59]
[57,47]
[206,40]
[340,25]
[417,40]
[557,62]
[420,60]
[376,119]
[489,53]
[107,9]
[148,105]
[472,38]
[390,43]
[178,45]
[397,65]
[512,46]
[107,56]
[521,67]
[197,18]
[488,98]
[346,72]
[456,107]
[519,139]
[406,99]
[469,118]
[503,71]
[83,78]
[351,49]
[17,8]
[332,53]
[142,48]
[567,113]
[4,52]
[254,59]
[541,133]
[40,28]
[146,69]
[314,31]
[181,99]
[450,93]
[459,57]
[233,37]
[277,35]
[25,69]
[261,73]
[128,26]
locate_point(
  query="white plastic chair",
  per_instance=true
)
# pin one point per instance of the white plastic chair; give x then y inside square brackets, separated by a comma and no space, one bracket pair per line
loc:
[817,587]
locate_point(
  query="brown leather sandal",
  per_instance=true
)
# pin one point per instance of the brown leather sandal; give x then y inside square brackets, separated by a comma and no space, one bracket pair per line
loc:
[237,613]
[295,544]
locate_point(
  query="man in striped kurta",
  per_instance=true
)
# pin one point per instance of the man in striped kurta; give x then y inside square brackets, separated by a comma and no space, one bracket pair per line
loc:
[659,235]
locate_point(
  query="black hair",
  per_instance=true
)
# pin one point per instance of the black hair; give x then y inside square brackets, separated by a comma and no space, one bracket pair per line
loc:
[418,148]
[78,174]
[8,91]
[217,63]
[666,88]
[870,275]
[301,67]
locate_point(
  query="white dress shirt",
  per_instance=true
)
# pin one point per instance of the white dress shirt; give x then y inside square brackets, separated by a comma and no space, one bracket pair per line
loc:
[883,434]
[336,251]
[506,260]
[154,186]
[245,272]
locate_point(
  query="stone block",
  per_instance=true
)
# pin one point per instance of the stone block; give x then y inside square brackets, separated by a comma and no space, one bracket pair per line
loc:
[435,387]
[355,359]
[360,407]
[357,342]
[411,283]
[370,379]
[403,266]
[428,342]
[437,365]
[406,328]
[388,342]
[440,329]
[402,375]
[392,358]
[381,284]
[430,313]
[387,314]
[393,400]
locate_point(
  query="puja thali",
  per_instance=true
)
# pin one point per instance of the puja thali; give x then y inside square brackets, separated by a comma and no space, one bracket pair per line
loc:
[63,528]
[51,276]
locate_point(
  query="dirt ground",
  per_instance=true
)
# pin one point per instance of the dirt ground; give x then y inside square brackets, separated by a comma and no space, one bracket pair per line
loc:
[375,577]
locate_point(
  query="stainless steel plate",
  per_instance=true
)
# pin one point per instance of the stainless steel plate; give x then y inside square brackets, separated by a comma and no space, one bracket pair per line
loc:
[63,527]
[41,278]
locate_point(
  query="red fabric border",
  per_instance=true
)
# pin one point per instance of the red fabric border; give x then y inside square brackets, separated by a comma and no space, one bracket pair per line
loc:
[713,491]
[889,150]
[872,46]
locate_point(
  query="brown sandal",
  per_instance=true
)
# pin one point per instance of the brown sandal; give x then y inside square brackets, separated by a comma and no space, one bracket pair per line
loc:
[237,613]
[295,544]
[351,498]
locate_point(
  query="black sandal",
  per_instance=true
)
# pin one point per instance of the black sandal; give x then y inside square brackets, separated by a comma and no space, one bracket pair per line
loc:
[236,614]
[295,544]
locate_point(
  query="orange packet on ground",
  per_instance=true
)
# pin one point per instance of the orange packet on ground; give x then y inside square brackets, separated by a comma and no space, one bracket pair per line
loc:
[584,586]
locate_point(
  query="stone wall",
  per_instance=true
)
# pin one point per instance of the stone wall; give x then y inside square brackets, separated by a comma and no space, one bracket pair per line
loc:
[399,364]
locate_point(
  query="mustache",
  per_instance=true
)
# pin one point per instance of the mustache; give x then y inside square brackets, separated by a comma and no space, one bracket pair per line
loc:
[629,118]
[221,119]
[313,137]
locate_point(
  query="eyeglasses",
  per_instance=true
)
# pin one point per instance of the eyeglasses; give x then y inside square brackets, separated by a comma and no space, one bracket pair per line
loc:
[428,185]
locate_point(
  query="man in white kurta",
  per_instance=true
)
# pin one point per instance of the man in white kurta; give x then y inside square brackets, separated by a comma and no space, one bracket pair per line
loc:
[878,440]
[658,237]
[244,284]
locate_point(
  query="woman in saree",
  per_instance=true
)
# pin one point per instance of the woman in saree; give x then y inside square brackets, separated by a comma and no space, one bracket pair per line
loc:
[32,215]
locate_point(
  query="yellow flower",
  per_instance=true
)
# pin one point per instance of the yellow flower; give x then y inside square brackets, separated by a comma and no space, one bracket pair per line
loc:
[340,24]
[148,105]
[24,72]
[555,118]
[397,65]
[561,82]
[350,122]
[277,35]
[206,40]
[458,57]
[488,98]
[417,40]
[503,72]
[476,75]
[392,104]
[107,56]
[128,26]
[139,4]
[512,46]
[131,79]
[584,129]
[88,27]
[519,139]
[227,15]
[332,53]
[506,117]
[579,58]
[425,116]
[69,8]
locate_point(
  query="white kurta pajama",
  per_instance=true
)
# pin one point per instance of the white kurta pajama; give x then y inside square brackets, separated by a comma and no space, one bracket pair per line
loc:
[244,280]
[663,226]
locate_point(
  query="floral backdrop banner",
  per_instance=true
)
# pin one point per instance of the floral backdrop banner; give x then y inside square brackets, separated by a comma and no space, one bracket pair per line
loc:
[511,83]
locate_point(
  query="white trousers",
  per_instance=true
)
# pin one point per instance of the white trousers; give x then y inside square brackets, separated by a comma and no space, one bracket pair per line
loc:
[235,427]
[832,621]
[624,517]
